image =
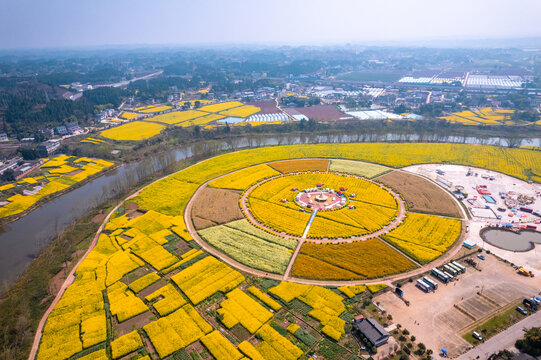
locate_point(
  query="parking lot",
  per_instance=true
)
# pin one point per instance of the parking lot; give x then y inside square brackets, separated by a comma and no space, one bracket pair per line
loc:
[438,319]
[454,175]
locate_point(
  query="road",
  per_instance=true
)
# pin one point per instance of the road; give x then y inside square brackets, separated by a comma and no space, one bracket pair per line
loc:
[503,340]
[126,82]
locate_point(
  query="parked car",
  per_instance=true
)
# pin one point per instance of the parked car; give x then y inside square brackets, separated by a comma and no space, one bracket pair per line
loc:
[521,310]
[482,257]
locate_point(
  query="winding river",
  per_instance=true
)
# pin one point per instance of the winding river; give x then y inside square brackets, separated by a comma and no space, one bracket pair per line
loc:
[23,239]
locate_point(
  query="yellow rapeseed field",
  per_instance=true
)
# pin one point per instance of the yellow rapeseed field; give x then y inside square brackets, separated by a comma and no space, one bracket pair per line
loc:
[170,300]
[203,120]
[133,131]
[128,115]
[176,117]
[241,308]
[485,116]
[425,237]
[175,331]
[326,305]
[242,179]
[153,108]
[214,108]
[56,177]
[220,347]
[205,278]
[241,111]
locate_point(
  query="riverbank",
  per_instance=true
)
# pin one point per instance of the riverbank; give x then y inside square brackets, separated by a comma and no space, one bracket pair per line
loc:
[23,304]
[365,131]
[9,219]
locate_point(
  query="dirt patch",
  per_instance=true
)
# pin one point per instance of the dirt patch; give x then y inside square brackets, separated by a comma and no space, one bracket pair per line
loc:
[300,165]
[132,210]
[136,322]
[151,288]
[266,106]
[240,332]
[202,223]
[198,348]
[421,195]
[98,219]
[60,277]
[182,247]
[216,206]
[75,172]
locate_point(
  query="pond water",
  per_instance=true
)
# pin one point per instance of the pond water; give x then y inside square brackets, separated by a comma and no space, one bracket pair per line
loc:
[508,240]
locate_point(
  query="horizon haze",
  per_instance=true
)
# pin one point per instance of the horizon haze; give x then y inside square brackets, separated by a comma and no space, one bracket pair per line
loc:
[68,24]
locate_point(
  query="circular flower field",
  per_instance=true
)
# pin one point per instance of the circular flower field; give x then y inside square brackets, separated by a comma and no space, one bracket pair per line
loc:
[320,205]
[317,219]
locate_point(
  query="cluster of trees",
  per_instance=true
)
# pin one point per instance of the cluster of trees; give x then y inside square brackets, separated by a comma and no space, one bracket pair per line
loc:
[30,106]
[296,101]
[531,343]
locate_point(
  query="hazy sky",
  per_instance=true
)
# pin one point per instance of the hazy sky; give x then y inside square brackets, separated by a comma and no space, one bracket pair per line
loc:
[74,23]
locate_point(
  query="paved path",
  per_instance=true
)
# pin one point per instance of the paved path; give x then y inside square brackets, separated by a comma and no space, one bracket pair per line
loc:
[503,340]
[292,260]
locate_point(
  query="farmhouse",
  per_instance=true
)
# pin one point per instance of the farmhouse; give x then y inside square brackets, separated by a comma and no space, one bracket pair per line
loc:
[372,330]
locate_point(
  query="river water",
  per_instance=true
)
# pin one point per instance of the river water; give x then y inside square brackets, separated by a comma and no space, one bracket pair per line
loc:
[22,240]
[508,240]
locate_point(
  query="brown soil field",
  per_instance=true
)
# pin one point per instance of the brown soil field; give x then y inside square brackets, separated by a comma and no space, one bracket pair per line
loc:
[300,165]
[202,223]
[216,206]
[266,106]
[323,113]
[420,194]
[129,325]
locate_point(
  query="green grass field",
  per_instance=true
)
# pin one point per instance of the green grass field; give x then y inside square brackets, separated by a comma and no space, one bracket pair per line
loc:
[358,168]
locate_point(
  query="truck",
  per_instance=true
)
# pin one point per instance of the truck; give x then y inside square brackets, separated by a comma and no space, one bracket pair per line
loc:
[462,268]
[440,275]
[432,283]
[451,277]
[450,270]
[525,272]
[423,286]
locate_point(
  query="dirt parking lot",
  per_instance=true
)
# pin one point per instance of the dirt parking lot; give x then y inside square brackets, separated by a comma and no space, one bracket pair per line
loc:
[438,319]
